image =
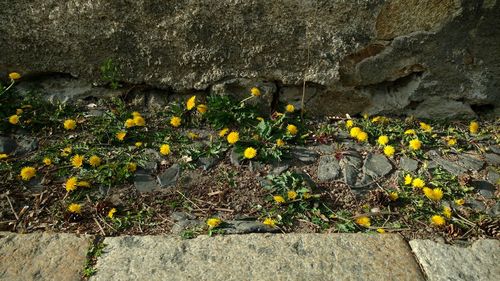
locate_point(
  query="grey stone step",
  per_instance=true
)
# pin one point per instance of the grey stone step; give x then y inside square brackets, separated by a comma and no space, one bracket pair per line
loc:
[442,262]
[258,257]
[42,256]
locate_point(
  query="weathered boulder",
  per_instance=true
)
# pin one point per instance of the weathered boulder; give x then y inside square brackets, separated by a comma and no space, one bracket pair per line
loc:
[375,56]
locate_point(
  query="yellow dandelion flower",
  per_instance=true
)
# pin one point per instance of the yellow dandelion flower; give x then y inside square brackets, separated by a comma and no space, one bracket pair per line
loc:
[417,182]
[75,208]
[269,222]
[383,140]
[3,156]
[121,135]
[223,132]
[389,150]
[381,230]
[27,173]
[111,213]
[47,161]
[408,179]
[363,221]
[425,127]
[415,144]
[362,136]
[71,184]
[279,199]
[437,220]
[14,119]
[447,212]
[94,161]
[292,129]
[250,153]
[354,132]
[139,121]
[393,196]
[136,113]
[77,161]
[349,123]
[255,92]
[460,201]
[19,111]
[451,141]
[473,127]
[433,194]
[165,149]
[66,151]
[69,124]
[129,123]
[191,103]
[233,137]
[290,108]
[138,144]
[291,195]
[410,132]
[132,167]
[280,143]
[306,195]
[214,222]
[202,108]
[14,76]
[192,135]
[175,121]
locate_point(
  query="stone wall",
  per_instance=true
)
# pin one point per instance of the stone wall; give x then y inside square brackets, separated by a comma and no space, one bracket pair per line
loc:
[428,58]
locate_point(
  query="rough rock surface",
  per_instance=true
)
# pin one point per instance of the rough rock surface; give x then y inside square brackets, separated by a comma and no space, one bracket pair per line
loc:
[258,257]
[42,256]
[447,262]
[428,58]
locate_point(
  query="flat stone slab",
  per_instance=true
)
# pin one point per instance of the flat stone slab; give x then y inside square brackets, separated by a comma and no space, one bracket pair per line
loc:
[258,257]
[42,256]
[443,262]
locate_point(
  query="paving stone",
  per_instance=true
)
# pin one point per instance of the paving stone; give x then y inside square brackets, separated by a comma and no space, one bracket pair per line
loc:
[170,176]
[258,257]
[328,168]
[42,256]
[442,262]
[376,166]
[408,164]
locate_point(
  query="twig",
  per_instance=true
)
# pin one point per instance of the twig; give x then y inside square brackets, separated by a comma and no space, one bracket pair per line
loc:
[104,221]
[100,227]
[184,196]
[12,208]
[371,214]
[224,210]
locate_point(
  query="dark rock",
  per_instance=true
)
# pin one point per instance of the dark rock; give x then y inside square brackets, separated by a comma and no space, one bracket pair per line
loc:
[493,177]
[152,158]
[170,176]
[243,227]
[351,164]
[25,145]
[376,166]
[495,149]
[279,169]
[234,157]
[328,168]
[492,159]
[145,182]
[7,145]
[408,164]
[484,188]
[470,161]
[303,154]
[494,211]
[208,162]
[477,205]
